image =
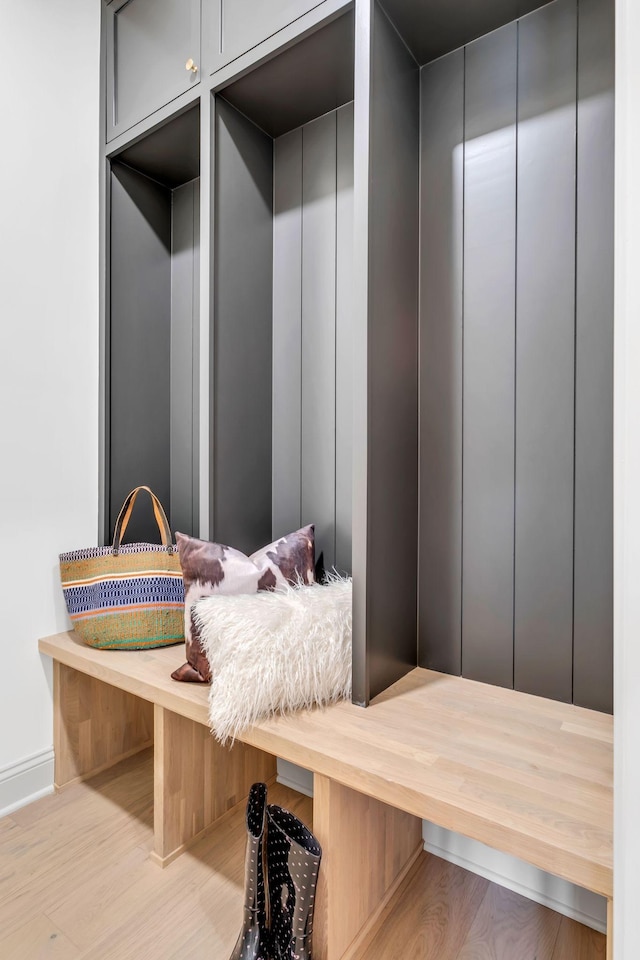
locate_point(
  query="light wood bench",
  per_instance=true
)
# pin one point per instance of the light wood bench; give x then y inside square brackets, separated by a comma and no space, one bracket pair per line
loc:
[527,776]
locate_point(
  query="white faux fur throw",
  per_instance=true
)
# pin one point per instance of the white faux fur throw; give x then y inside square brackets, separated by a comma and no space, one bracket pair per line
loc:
[275,652]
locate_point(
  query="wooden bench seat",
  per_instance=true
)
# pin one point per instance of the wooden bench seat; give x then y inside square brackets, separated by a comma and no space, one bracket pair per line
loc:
[527,776]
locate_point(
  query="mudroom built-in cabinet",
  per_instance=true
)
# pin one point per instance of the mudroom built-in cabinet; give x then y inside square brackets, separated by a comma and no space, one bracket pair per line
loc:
[358,272]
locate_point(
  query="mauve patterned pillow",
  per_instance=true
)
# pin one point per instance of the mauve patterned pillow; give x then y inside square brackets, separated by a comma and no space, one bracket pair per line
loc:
[211,568]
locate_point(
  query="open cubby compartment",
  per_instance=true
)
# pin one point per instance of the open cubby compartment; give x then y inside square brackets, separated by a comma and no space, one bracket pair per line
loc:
[153,319]
[484,199]
[282,254]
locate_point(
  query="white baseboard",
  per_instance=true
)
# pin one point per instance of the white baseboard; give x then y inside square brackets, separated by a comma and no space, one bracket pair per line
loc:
[560,895]
[25,781]
[295,777]
[563,897]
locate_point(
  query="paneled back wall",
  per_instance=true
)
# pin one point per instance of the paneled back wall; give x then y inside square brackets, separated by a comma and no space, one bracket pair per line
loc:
[312,350]
[153,352]
[516,331]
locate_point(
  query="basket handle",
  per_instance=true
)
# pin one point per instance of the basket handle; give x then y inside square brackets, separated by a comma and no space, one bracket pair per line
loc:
[125,515]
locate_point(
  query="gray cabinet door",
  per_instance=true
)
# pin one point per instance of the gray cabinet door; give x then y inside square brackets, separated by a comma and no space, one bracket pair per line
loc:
[148,45]
[234,26]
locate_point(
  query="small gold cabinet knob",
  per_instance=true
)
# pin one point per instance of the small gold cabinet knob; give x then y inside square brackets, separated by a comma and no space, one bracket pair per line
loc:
[190,65]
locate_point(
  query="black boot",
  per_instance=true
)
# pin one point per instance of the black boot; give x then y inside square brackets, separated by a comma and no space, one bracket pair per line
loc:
[293,861]
[253,942]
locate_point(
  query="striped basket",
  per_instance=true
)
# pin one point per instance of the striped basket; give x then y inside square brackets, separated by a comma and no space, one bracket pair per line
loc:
[126,597]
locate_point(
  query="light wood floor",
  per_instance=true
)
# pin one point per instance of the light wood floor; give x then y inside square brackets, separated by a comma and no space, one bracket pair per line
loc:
[76,882]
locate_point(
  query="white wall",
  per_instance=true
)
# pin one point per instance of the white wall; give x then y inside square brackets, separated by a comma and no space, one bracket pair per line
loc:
[627,486]
[49,201]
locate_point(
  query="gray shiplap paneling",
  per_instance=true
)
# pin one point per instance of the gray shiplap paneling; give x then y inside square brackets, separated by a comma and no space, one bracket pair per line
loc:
[242,350]
[139,359]
[393,238]
[489,359]
[593,599]
[344,337]
[185,306]
[287,332]
[319,331]
[313,370]
[441,268]
[545,352]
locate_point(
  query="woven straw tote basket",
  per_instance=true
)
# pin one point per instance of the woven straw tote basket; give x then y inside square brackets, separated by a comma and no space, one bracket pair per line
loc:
[126,597]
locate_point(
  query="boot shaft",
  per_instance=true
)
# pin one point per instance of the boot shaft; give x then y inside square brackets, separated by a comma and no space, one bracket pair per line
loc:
[254,942]
[293,859]
[255,858]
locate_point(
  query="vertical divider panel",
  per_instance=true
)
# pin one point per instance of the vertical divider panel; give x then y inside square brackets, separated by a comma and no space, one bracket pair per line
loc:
[593,590]
[195,363]
[243,293]
[392,358]
[361,217]
[319,331]
[441,284]
[287,332]
[545,352]
[203,369]
[184,310]
[489,360]
[368,848]
[344,337]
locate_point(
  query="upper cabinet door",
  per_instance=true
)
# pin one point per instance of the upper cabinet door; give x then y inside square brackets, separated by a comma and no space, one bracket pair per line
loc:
[235,26]
[153,55]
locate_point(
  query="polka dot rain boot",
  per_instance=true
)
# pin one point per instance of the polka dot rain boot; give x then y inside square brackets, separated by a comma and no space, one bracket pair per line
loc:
[254,941]
[293,861]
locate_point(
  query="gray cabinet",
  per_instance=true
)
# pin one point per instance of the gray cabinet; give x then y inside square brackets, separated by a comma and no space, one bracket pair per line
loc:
[149,43]
[232,27]
[406,325]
